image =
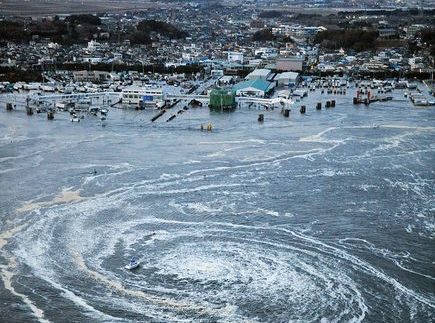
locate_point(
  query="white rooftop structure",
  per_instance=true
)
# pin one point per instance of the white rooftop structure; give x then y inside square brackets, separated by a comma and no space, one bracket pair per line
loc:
[226,79]
[260,73]
[292,76]
[286,78]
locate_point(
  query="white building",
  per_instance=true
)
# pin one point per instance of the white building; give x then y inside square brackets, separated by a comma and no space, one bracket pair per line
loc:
[416,63]
[226,79]
[92,60]
[266,52]
[217,73]
[93,46]
[142,95]
[260,73]
[286,78]
[235,57]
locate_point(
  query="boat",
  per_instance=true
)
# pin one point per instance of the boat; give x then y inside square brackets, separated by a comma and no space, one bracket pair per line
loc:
[83,105]
[93,109]
[134,263]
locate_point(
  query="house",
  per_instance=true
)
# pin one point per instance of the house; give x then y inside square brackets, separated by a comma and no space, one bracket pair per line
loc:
[412,30]
[235,57]
[388,32]
[255,88]
[416,63]
[265,52]
[90,76]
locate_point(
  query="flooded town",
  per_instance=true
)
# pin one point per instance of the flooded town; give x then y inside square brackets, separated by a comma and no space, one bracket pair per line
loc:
[217,161]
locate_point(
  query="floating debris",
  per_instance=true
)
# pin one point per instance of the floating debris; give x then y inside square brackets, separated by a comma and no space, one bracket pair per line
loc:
[208,127]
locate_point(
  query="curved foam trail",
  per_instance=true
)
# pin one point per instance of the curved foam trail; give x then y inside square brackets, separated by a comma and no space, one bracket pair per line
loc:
[370,246]
[337,252]
[258,141]
[66,196]
[317,137]
[135,293]
[8,272]
[250,264]
[370,269]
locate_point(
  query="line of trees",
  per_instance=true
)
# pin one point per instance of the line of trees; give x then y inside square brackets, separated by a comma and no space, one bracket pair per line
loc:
[356,39]
[143,30]
[14,74]
[75,29]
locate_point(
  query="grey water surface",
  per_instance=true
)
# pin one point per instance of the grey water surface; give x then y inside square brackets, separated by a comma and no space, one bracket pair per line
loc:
[323,217]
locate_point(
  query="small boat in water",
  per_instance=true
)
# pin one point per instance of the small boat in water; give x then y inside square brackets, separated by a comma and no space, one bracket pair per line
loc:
[134,263]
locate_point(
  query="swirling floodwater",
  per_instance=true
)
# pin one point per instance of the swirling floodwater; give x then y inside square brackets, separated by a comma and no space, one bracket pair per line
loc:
[323,217]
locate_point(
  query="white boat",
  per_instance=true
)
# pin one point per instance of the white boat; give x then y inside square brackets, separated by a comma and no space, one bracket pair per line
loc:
[31,86]
[18,86]
[68,89]
[48,88]
[134,263]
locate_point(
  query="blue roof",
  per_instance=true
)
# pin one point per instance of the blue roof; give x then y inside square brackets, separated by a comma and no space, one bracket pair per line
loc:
[259,84]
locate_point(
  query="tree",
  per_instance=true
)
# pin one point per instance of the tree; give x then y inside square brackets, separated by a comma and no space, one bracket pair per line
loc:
[84,19]
[356,39]
[263,35]
[139,37]
[162,28]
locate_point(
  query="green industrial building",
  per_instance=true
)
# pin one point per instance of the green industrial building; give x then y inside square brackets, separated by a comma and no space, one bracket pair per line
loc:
[222,99]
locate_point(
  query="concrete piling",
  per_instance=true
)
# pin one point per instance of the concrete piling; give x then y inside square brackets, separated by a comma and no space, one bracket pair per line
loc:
[286,113]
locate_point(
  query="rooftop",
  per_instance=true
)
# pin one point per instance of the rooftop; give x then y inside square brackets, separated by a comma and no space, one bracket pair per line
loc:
[256,83]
